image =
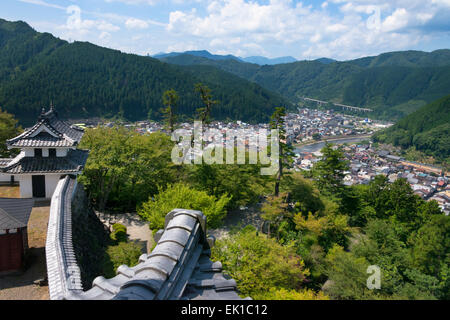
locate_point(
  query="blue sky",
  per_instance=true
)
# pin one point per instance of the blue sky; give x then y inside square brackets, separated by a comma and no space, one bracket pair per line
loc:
[339,29]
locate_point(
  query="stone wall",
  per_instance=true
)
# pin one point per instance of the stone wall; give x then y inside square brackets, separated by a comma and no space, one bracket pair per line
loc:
[90,238]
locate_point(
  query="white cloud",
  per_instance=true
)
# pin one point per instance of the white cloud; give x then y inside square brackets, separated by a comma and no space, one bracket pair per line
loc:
[263,27]
[133,23]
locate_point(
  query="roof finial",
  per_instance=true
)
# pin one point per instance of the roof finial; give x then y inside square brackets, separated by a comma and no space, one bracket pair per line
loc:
[42,110]
[51,105]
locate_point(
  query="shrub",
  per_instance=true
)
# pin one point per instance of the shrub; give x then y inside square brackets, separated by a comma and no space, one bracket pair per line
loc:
[127,253]
[185,197]
[259,263]
[119,233]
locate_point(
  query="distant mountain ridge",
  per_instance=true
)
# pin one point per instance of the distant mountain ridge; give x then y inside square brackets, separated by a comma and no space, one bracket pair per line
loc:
[206,54]
[392,84]
[85,80]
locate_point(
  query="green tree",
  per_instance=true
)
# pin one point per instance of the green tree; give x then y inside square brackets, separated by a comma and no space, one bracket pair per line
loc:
[182,196]
[431,245]
[127,253]
[204,112]
[285,152]
[170,100]
[126,168]
[259,263]
[329,171]
[8,129]
[274,211]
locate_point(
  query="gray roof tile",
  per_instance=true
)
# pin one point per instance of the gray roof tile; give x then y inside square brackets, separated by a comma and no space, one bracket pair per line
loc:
[15,213]
[179,267]
[63,134]
[72,163]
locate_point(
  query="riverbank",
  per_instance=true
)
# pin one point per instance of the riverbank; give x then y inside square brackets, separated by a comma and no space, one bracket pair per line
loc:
[332,138]
[313,146]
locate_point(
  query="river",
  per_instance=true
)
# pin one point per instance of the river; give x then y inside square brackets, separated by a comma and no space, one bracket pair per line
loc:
[319,145]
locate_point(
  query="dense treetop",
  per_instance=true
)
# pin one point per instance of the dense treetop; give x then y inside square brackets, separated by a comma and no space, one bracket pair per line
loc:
[85,80]
[393,84]
[427,129]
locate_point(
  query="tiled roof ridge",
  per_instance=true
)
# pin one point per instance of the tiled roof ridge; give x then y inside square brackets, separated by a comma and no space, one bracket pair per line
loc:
[64,276]
[179,267]
[51,122]
[13,163]
[19,223]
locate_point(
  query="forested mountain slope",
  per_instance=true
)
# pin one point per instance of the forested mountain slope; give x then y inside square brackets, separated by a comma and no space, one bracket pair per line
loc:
[428,129]
[85,80]
[393,84]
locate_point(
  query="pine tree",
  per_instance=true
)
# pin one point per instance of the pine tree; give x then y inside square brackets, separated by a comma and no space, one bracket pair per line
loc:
[285,149]
[170,100]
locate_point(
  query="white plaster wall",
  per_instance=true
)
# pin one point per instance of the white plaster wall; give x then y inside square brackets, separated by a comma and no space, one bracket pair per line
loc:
[26,186]
[29,152]
[45,152]
[61,152]
[5,177]
[50,184]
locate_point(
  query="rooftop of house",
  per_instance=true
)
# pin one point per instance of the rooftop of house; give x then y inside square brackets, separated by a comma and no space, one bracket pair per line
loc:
[15,213]
[48,132]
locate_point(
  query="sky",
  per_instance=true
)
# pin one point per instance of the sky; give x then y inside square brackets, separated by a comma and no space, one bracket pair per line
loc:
[338,29]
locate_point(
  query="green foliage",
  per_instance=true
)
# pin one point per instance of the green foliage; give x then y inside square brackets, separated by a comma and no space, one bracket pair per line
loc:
[204,112]
[8,129]
[427,130]
[219,179]
[127,253]
[285,150]
[183,196]
[119,233]
[328,173]
[170,100]
[36,67]
[393,84]
[431,246]
[284,294]
[126,168]
[259,263]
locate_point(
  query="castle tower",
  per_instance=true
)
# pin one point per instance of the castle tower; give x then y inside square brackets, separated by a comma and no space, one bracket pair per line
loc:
[48,151]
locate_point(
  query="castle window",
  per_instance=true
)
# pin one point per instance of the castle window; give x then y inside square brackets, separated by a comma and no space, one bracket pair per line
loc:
[38,153]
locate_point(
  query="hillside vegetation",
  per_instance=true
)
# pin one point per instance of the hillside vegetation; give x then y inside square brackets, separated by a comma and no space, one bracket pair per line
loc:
[392,84]
[85,80]
[427,129]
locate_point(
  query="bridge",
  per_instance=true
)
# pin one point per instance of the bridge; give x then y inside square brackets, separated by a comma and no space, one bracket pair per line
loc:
[343,106]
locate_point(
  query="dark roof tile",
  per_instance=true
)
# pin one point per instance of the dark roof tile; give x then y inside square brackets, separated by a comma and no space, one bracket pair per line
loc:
[72,163]
[15,213]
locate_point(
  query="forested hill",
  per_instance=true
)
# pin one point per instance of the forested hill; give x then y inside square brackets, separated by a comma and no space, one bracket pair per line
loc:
[428,129]
[85,80]
[393,84]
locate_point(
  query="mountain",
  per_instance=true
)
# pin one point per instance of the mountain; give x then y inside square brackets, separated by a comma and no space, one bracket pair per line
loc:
[428,129]
[325,60]
[392,84]
[201,53]
[205,54]
[85,80]
[267,61]
[411,58]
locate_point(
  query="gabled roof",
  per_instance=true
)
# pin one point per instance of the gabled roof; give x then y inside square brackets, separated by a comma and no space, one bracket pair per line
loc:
[14,213]
[48,132]
[72,163]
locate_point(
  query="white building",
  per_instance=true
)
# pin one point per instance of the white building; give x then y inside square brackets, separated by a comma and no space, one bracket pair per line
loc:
[48,151]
